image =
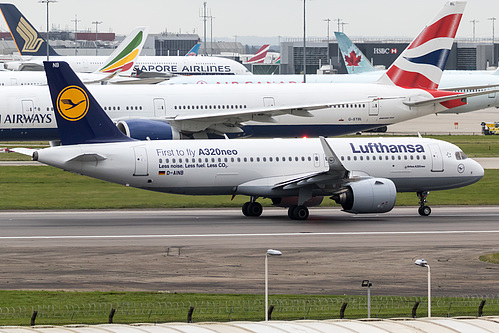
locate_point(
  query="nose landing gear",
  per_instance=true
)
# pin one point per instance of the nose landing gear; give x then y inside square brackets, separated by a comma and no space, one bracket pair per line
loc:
[423,210]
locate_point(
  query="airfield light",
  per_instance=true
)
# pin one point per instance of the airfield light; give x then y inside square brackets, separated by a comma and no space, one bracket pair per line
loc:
[366,283]
[424,263]
[270,252]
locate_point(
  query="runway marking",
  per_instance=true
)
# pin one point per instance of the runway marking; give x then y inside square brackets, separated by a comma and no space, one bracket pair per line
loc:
[361,233]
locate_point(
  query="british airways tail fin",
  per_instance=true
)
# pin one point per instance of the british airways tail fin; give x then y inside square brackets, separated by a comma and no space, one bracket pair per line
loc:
[194,51]
[123,58]
[260,55]
[353,58]
[28,41]
[80,119]
[423,61]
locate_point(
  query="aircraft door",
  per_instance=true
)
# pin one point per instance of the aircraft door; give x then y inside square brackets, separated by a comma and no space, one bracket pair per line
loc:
[437,162]
[374,107]
[268,101]
[13,81]
[317,160]
[28,111]
[141,168]
[159,107]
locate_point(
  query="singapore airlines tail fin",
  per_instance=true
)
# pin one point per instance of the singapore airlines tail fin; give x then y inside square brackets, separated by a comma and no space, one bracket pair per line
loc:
[259,56]
[123,58]
[28,41]
[353,58]
[423,61]
[194,51]
[80,118]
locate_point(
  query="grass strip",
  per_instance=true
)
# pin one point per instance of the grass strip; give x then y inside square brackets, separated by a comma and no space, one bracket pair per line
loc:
[65,307]
[43,187]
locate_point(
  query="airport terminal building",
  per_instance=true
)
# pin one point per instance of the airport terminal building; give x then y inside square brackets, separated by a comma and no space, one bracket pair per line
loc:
[466,54]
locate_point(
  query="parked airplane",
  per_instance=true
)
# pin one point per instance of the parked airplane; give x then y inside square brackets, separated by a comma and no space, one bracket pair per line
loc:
[194,51]
[259,56]
[166,112]
[355,61]
[32,45]
[120,62]
[363,174]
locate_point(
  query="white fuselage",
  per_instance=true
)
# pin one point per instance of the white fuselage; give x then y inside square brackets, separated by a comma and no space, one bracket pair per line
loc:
[450,80]
[255,166]
[26,112]
[180,65]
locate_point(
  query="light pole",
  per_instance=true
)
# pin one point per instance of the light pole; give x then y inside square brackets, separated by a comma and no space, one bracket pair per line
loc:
[366,283]
[424,263]
[328,21]
[76,33]
[304,45]
[270,252]
[96,24]
[47,2]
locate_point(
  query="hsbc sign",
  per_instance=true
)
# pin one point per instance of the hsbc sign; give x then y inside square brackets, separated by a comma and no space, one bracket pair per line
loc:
[385,50]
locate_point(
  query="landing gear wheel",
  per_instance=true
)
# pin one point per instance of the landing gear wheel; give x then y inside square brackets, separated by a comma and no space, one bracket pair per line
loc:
[291,210]
[253,209]
[298,213]
[245,208]
[424,210]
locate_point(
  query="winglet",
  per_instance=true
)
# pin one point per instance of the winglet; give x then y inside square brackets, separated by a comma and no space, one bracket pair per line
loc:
[423,61]
[334,163]
[355,61]
[27,39]
[124,57]
[80,119]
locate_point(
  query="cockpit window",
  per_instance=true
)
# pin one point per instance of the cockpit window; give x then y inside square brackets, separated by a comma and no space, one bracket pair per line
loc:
[460,155]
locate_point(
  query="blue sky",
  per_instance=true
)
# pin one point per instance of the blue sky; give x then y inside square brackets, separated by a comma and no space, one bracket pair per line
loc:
[267,18]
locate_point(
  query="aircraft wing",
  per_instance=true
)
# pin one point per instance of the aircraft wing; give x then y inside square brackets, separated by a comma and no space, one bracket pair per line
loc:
[461,96]
[231,120]
[484,86]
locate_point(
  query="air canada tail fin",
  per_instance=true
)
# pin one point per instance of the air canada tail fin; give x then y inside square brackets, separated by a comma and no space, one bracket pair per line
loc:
[80,119]
[423,61]
[353,58]
[194,51]
[260,55]
[28,41]
[123,58]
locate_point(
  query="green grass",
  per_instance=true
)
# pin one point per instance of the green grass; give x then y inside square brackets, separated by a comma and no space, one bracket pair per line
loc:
[43,187]
[492,258]
[65,307]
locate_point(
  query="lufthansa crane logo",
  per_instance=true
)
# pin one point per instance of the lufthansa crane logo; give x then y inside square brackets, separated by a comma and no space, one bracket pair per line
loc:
[72,103]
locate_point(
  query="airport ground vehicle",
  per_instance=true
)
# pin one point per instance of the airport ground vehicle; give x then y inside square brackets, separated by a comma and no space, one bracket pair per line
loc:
[490,128]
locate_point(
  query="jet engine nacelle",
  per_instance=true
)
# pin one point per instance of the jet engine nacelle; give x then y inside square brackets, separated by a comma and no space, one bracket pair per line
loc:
[293,201]
[148,129]
[373,195]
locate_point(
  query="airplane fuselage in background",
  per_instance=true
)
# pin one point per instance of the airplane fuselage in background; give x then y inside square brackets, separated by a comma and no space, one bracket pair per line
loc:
[450,80]
[180,65]
[26,112]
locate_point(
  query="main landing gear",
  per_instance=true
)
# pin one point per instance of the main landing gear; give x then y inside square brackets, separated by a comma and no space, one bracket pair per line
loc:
[252,208]
[298,212]
[423,210]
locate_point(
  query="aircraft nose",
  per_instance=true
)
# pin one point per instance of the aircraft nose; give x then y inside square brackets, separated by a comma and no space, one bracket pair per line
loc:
[476,170]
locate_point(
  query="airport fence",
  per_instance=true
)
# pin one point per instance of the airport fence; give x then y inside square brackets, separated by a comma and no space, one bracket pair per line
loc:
[283,309]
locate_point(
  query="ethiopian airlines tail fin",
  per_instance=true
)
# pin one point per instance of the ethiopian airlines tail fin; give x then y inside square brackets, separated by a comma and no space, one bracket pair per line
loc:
[423,61]
[80,119]
[28,41]
[194,51]
[353,58]
[259,56]
[123,58]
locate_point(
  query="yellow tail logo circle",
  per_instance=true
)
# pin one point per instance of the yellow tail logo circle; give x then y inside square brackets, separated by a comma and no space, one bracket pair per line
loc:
[72,103]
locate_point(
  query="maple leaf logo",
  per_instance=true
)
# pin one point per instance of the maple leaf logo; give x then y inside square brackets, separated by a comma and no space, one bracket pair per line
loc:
[353,59]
